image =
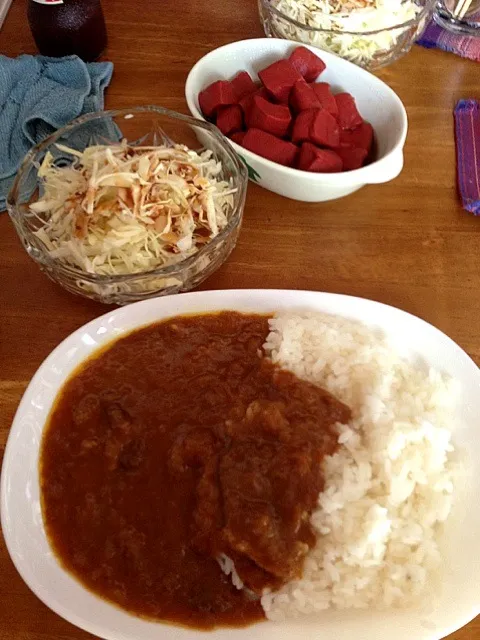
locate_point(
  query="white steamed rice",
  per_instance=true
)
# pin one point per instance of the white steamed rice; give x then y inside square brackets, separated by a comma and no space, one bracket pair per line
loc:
[389,487]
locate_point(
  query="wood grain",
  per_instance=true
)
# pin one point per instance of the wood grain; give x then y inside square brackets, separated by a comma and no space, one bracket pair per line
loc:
[408,243]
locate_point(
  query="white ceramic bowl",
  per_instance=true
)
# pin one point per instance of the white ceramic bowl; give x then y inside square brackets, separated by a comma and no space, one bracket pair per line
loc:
[415,339]
[377,103]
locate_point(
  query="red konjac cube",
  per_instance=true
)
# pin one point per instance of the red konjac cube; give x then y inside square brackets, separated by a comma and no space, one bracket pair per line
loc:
[218,94]
[243,85]
[324,130]
[246,101]
[302,125]
[273,118]
[325,97]
[361,137]
[352,157]
[311,158]
[279,78]
[230,119]
[270,147]
[238,137]
[303,97]
[348,115]
[309,65]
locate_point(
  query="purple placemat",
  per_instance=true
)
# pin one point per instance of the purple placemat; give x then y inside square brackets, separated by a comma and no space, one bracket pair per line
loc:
[436,37]
[467,135]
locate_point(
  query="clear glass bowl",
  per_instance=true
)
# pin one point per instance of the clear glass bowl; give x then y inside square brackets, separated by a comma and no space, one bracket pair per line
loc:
[368,49]
[148,125]
[463,22]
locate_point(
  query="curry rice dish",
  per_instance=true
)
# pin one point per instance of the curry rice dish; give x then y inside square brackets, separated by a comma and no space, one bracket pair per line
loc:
[181,453]
[175,445]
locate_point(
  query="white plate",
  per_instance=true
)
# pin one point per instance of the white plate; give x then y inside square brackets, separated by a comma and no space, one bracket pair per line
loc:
[20,500]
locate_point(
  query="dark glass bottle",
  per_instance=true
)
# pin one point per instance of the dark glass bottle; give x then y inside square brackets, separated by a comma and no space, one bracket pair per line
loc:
[67,27]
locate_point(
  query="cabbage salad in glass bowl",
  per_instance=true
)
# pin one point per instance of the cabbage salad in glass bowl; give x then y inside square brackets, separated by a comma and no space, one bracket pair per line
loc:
[121,209]
[124,205]
[370,33]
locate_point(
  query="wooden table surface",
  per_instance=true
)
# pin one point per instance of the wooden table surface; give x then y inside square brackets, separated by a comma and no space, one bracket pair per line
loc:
[408,243]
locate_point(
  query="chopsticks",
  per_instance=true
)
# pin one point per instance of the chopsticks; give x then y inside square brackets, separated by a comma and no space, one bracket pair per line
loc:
[461,8]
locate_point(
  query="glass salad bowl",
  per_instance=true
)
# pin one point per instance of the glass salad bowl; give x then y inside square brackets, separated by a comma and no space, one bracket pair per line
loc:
[370,33]
[108,225]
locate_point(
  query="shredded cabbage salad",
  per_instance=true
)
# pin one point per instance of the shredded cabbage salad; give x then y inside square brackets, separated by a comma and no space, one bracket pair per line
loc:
[346,15]
[120,209]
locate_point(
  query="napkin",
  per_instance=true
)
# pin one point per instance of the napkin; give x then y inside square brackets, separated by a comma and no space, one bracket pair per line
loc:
[467,135]
[37,96]
[436,37]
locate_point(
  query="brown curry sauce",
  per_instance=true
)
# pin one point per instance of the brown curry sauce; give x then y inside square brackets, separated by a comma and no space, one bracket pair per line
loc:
[175,444]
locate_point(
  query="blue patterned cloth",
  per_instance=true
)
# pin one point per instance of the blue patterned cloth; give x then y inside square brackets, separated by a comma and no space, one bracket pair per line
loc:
[38,95]
[434,37]
[467,137]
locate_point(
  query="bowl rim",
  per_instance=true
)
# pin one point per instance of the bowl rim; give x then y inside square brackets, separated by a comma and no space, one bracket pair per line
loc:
[354,176]
[425,10]
[168,271]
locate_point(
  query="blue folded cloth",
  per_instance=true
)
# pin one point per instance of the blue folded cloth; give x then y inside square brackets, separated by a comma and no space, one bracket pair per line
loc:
[39,95]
